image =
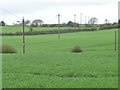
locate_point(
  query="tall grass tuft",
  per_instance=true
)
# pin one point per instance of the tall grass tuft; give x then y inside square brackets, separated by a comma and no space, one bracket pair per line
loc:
[4,48]
[76,49]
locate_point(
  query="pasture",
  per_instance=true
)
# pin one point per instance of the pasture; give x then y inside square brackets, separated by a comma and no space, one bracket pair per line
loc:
[13,29]
[49,63]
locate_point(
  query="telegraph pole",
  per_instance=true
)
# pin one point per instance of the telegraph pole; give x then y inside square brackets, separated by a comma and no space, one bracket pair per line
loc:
[74,18]
[23,35]
[80,18]
[59,25]
[115,40]
[85,20]
[88,19]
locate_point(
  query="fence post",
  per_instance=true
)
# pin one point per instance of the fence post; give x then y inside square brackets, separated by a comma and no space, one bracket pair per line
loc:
[23,35]
[115,40]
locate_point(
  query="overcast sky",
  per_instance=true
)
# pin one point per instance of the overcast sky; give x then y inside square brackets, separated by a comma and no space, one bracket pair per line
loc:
[47,10]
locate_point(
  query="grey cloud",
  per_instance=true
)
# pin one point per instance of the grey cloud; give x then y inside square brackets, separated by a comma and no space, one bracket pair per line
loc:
[31,7]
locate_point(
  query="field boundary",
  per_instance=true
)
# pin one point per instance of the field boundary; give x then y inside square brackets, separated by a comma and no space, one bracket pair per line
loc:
[47,32]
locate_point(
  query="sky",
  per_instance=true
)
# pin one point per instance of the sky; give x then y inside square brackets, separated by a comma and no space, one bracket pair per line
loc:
[12,11]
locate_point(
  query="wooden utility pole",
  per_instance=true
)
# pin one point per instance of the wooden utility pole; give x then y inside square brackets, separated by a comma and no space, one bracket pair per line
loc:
[80,18]
[59,25]
[85,20]
[75,21]
[74,18]
[23,22]
[115,41]
[88,19]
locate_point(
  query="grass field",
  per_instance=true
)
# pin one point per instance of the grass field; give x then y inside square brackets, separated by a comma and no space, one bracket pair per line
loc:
[13,29]
[48,62]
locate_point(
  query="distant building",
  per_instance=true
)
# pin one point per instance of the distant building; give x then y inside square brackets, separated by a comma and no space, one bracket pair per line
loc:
[37,22]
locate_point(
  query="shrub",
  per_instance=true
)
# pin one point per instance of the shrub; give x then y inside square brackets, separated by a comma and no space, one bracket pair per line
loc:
[76,49]
[103,27]
[4,48]
[30,29]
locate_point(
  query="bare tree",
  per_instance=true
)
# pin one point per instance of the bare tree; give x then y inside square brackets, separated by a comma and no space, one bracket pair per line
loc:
[27,22]
[106,21]
[2,23]
[93,20]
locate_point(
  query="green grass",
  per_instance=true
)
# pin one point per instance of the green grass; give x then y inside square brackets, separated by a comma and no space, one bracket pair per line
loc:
[12,29]
[48,62]
[50,28]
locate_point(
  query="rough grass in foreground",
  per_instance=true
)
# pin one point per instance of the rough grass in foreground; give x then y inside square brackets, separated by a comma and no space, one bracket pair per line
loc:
[76,49]
[5,48]
[48,62]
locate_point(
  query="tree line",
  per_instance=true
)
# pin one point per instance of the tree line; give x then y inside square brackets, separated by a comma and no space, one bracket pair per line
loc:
[39,22]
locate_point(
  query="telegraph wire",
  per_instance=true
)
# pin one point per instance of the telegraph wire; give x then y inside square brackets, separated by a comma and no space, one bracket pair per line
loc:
[4,16]
[10,13]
